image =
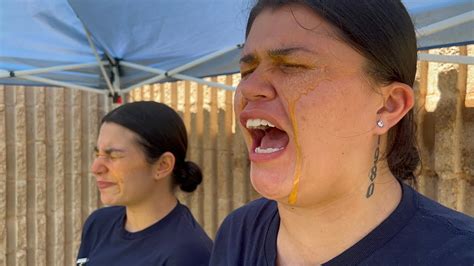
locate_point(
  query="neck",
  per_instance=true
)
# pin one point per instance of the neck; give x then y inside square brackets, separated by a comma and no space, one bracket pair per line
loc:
[145,214]
[316,234]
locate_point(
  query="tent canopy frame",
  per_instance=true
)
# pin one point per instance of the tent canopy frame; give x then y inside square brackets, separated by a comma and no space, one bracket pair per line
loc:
[110,67]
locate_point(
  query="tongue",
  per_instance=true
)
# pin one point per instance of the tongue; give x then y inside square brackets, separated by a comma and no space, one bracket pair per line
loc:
[274,138]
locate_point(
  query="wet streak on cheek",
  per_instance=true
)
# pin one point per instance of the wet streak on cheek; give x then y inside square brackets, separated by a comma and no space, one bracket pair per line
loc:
[306,84]
[296,178]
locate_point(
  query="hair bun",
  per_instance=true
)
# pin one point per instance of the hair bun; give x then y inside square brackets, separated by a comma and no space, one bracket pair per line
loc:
[188,176]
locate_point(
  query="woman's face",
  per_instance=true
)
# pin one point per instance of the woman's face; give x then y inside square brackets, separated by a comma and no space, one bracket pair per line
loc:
[122,173]
[305,106]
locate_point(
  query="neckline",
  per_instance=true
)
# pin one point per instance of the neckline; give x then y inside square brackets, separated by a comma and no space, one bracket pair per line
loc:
[150,229]
[383,233]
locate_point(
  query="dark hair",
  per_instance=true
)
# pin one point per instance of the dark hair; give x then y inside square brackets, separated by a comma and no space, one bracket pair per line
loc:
[159,129]
[382,32]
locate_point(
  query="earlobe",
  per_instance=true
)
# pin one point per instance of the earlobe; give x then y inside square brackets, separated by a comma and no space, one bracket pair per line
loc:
[164,165]
[399,98]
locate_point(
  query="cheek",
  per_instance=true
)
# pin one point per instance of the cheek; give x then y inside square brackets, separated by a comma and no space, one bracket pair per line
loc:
[125,174]
[116,173]
[293,88]
[117,176]
[320,112]
[343,109]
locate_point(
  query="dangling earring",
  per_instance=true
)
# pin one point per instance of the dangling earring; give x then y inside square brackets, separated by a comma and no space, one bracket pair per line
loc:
[373,170]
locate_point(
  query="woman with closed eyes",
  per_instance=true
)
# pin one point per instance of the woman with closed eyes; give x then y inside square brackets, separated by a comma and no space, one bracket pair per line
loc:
[140,162]
[325,105]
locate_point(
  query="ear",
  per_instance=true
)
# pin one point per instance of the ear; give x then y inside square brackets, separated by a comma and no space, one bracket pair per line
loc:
[398,98]
[164,166]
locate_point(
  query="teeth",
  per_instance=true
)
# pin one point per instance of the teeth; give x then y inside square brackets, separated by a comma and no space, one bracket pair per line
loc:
[258,124]
[267,150]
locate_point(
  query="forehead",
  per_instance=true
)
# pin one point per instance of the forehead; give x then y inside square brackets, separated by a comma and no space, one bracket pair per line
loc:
[291,25]
[113,135]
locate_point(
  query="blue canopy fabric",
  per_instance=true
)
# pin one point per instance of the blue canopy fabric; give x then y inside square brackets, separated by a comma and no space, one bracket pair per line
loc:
[159,35]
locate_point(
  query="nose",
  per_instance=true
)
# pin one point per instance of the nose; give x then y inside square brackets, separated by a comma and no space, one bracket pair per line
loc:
[257,86]
[98,167]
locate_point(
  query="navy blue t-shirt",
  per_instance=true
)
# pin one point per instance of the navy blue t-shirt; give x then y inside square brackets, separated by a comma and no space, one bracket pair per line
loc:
[177,239]
[418,232]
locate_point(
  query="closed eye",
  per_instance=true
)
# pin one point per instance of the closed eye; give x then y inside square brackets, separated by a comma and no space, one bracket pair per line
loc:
[293,66]
[109,154]
[116,155]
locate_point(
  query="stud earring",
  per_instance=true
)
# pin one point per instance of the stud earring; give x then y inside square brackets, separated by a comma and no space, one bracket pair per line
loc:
[380,123]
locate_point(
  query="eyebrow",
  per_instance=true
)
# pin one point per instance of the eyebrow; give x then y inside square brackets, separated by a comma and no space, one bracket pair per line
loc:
[109,150]
[248,59]
[282,52]
[274,54]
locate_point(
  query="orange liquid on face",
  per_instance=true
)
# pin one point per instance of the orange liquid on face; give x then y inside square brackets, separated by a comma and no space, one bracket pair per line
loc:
[302,89]
[296,179]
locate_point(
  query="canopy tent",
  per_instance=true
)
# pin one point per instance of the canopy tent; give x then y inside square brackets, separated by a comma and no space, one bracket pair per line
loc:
[115,46]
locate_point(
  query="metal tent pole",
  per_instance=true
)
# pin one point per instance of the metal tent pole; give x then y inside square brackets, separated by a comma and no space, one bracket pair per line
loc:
[456,59]
[175,71]
[445,24]
[177,76]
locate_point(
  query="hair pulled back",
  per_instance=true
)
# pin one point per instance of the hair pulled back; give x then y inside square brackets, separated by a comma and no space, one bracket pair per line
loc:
[159,129]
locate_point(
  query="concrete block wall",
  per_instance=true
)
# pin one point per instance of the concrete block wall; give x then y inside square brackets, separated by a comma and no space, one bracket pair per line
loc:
[445,119]
[46,191]
[47,137]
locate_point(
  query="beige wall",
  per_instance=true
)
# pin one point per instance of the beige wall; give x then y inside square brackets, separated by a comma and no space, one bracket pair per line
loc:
[47,136]
[445,118]
[46,192]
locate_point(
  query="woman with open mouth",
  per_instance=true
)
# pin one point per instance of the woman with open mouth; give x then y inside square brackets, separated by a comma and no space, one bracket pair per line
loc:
[325,105]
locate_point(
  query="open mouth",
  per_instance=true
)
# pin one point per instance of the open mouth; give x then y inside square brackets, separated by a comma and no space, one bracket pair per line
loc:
[267,138]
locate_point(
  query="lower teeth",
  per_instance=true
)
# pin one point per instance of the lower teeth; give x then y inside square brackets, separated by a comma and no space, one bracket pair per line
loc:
[267,150]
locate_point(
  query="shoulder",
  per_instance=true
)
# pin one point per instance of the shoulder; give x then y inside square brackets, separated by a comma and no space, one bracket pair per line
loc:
[248,220]
[457,250]
[189,230]
[197,253]
[242,236]
[440,216]
[449,233]
[100,221]
[102,217]
[105,213]
[252,214]
[188,238]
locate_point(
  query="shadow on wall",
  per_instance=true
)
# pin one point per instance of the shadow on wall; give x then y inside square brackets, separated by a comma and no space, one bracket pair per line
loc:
[445,137]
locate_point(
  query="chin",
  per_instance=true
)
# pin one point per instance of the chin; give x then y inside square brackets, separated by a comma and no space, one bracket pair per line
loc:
[107,200]
[271,185]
